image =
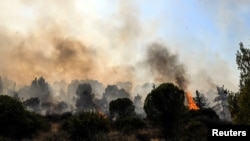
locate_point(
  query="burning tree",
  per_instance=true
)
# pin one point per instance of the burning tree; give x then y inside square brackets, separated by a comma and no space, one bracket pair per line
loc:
[200,100]
[191,104]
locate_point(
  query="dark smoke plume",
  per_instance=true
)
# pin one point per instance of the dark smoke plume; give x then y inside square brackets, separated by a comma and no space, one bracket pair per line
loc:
[165,66]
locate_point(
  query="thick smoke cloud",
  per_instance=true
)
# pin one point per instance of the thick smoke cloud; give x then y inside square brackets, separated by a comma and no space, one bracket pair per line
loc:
[69,45]
[165,66]
[59,45]
[67,42]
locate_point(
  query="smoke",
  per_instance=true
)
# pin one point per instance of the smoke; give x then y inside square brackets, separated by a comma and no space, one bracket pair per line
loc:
[59,55]
[67,42]
[54,46]
[103,44]
[165,66]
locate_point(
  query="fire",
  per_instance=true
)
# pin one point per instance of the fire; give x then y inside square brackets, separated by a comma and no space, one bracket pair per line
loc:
[191,103]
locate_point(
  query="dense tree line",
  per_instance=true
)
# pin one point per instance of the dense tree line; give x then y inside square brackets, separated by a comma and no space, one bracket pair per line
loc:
[164,108]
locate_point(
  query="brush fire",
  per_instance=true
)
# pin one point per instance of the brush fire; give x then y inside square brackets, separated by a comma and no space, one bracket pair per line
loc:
[190,102]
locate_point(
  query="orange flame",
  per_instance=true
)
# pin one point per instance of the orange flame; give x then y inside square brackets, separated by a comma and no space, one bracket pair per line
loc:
[191,103]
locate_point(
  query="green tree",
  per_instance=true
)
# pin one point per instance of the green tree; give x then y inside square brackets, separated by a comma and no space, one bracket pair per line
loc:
[126,120]
[121,108]
[233,104]
[16,122]
[243,62]
[195,123]
[165,105]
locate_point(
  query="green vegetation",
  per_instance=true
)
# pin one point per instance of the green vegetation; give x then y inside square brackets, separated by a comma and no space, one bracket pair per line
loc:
[85,126]
[121,108]
[16,122]
[239,102]
[165,105]
[166,117]
[122,113]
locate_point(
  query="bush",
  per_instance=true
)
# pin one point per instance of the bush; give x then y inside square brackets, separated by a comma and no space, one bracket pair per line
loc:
[121,108]
[84,126]
[129,124]
[193,130]
[16,122]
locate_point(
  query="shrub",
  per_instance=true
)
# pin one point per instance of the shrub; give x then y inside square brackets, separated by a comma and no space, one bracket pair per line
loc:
[84,126]
[16,122]
[129,124]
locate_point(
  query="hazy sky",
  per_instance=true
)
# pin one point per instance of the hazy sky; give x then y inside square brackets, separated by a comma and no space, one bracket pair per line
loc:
[107,40]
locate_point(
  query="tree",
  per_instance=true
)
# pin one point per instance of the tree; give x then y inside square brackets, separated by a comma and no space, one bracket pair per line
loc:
[121,108]
[243,62]
[33,104]
[112,92]
[123,111]
[233,101]
[243,115]
[41,89]
[16,122]
[61,107]
[221,105]
[195,124]
[165,105]
[203,115]
[201,100]
[85,98]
